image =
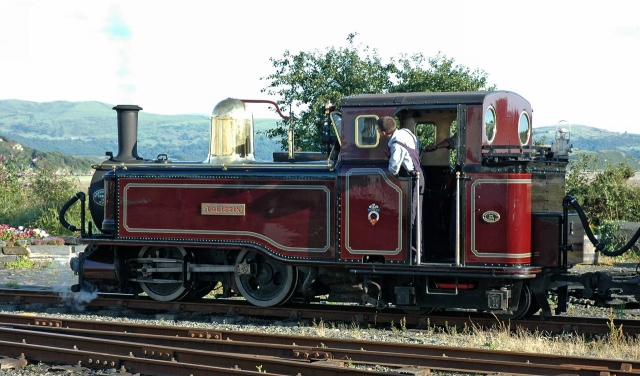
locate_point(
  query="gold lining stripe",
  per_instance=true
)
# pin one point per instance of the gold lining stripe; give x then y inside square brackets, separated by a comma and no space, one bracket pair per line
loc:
[473,221]
[369,172]
[236,233]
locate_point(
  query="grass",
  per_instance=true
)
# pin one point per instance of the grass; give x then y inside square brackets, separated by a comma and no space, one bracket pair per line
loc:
[628,257]
[23,262]
[614,345]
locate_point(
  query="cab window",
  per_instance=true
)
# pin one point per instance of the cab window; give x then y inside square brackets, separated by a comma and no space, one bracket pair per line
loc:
[367,135]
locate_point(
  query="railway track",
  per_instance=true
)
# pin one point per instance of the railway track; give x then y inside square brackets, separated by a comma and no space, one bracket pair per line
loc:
[161,350]
[365,315]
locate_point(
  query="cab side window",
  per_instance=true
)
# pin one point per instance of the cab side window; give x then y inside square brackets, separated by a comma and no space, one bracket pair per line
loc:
[367,135]
[426,132]
[431,133]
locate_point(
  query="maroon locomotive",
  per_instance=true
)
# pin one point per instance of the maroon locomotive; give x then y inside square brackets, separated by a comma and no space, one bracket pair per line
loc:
[336,225]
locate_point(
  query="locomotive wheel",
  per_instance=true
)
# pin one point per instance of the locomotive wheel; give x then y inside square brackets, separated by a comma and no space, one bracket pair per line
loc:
[172,289]
[269,282]
[524,305]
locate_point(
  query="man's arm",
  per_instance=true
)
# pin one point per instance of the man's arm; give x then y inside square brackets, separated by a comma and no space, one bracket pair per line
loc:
[397,156]
[448,143]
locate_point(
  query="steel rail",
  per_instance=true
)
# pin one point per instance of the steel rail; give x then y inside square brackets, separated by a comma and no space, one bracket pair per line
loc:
[229,307]
[59,355]
[392,355]
[94,351]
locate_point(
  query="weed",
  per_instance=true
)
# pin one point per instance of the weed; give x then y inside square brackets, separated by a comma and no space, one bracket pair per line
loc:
[22,262]
[13,284]
[492,344]
[430,328]
[350,363]
[320,328]
[448,329]
[393,327]
[356,330]
[615,335]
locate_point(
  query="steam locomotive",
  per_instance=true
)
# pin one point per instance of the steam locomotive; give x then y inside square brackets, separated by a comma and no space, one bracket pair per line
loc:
[499,234]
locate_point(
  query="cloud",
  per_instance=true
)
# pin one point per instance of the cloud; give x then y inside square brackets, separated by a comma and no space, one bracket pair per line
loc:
[120,35]
[123,70]
[629,31]
[127,90]
[116,27]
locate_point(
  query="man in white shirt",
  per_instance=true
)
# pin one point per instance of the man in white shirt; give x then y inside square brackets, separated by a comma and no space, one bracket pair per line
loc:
[404,160]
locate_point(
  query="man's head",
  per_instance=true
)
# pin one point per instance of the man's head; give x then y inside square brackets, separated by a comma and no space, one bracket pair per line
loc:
[386,125]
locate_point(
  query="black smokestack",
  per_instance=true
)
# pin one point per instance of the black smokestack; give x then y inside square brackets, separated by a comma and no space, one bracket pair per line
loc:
[127,133]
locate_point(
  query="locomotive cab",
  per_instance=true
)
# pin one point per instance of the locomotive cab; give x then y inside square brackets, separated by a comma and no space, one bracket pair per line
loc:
[476,218]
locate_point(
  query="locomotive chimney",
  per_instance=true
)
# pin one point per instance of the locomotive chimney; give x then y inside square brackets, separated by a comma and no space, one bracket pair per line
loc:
[127,133]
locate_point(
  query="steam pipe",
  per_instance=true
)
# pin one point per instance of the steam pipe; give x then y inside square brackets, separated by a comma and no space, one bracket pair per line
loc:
[283,116]
[290,134]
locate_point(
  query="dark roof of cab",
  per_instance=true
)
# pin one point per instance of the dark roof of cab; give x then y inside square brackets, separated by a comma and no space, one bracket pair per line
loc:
[425,98]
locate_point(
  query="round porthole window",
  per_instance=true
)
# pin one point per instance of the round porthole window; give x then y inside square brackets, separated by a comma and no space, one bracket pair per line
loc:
[490,124]
[524,128]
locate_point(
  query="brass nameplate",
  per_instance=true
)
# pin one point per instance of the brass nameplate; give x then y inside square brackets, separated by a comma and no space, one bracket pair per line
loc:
[221,209]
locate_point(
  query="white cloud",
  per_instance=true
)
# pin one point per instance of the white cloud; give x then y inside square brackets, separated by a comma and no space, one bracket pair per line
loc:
[572,60]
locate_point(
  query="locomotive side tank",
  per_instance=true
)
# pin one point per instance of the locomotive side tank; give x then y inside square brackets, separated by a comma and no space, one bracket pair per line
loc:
[336,225]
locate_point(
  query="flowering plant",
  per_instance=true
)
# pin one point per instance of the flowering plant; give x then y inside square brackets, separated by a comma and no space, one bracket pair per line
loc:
[21,236]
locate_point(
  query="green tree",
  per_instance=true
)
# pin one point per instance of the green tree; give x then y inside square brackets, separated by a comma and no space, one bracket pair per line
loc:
[306,81]
[605,195]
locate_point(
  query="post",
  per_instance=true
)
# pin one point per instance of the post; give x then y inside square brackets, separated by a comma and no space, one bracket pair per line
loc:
[458,177]
[290,142]
[416,182]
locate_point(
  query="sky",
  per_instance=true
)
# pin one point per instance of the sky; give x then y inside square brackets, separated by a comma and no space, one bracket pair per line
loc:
[577,61]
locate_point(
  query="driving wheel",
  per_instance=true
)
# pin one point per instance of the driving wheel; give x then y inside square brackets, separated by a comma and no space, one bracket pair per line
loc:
[164,285]
[262,281]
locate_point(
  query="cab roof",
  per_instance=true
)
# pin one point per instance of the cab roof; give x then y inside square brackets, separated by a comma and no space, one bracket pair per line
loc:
[423,98]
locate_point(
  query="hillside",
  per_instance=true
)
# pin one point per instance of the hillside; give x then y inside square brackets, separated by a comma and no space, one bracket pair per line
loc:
[89,129]
[24,156]
[607,146]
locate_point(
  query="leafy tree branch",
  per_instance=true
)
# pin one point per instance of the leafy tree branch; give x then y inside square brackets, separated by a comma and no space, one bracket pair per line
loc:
[306,81]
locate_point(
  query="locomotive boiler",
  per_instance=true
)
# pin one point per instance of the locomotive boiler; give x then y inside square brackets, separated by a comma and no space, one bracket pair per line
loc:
[499,234]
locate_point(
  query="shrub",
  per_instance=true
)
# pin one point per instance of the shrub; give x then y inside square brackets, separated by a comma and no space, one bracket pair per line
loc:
[604,195]
[32,195]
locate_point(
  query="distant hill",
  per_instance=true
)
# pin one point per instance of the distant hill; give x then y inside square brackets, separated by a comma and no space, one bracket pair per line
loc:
[24,156]
[607,146]
[89,129]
